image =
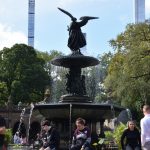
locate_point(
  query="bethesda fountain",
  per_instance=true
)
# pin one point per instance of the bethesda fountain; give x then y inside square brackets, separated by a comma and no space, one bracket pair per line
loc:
[76,103]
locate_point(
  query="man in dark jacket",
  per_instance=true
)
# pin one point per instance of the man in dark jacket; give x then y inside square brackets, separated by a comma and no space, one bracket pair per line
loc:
[51,138]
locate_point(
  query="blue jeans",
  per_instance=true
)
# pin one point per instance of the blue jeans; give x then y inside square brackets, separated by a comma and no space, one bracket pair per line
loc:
[128,147]
[146,146]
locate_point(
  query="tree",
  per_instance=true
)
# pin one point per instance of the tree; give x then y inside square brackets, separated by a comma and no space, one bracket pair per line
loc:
[129,70]
[95,78]
[56,74]
[23,73]
[3,93]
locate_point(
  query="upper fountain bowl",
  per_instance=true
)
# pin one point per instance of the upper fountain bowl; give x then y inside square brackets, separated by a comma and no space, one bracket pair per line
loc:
[70,61]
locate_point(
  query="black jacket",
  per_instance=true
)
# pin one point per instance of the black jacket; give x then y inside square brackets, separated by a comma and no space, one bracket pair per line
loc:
[132,138]
[51,139]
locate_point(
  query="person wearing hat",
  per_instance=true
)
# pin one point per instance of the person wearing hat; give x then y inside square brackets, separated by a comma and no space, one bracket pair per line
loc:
[51,138]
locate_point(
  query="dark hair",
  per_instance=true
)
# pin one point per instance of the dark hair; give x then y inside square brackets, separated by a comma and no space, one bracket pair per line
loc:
[81,121]
[46,122]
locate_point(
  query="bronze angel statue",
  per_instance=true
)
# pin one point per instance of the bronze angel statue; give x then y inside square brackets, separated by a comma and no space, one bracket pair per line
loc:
[76,38]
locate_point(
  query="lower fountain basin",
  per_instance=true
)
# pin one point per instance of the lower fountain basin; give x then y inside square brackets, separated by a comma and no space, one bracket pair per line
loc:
[88,111]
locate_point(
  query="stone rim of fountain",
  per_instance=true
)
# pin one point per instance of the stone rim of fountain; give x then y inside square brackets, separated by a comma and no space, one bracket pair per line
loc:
[70,98]
[79,60]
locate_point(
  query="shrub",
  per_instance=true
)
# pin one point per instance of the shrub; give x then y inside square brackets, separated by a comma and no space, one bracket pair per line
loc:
[112,136]
[118,133]
[8,136]
[109,135]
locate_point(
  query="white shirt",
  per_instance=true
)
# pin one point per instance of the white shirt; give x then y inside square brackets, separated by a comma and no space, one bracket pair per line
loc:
[17,139]
[145,129]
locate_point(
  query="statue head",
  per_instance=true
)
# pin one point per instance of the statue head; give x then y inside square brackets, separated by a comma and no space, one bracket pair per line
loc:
[74,19]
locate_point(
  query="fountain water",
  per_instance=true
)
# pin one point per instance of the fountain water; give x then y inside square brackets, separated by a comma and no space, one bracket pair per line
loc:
[21,120]
[30,115]
[129,114]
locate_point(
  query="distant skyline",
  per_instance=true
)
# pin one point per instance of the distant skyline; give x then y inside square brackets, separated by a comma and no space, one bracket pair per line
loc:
[31,15]
[139,11]
[51,25]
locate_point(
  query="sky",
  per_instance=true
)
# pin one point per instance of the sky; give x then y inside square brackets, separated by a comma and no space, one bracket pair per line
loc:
[51,24]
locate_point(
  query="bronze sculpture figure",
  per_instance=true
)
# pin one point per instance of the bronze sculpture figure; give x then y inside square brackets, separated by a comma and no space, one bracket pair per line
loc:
[76,38]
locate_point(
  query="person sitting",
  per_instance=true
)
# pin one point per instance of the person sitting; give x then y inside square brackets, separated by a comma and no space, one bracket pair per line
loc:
[23,139]
[2,131]
[132,135]
[17,139]
[81,137]
[51,138]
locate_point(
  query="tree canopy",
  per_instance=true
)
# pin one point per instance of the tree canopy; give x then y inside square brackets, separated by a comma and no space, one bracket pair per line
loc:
[22,74]
[129,70]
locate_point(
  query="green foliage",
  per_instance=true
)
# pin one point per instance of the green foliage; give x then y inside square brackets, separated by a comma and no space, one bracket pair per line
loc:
[95,78]
[91,81]
[58,85]
[101,97]
[23,73]
[109,135]
[3,93]
[56,74]
[118,133]
[112,136]
[48,56]
[8,136]
[129,70]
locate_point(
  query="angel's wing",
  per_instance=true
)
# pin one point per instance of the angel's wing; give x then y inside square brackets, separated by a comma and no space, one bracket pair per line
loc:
[67,13]
[85,19]
[88,18]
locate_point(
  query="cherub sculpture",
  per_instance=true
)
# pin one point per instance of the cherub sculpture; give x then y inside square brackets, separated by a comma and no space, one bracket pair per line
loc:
[76,38]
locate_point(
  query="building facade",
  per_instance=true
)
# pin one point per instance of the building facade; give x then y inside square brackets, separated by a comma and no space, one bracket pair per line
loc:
[139,11]
[31,13]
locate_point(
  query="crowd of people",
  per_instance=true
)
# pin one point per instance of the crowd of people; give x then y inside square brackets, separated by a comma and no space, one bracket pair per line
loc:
[49,138]
[131,139]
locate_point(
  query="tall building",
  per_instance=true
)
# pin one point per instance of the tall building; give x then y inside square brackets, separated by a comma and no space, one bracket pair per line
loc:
[139,10]
[31,13]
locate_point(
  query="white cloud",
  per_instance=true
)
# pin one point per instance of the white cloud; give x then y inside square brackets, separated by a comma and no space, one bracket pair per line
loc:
[147,6]
[8,37]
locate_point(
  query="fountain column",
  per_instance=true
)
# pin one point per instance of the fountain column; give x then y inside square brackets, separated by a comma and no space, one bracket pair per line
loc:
[102,135]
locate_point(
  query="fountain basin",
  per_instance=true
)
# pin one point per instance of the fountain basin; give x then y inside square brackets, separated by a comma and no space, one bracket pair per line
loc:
[89,111]
[79,60]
